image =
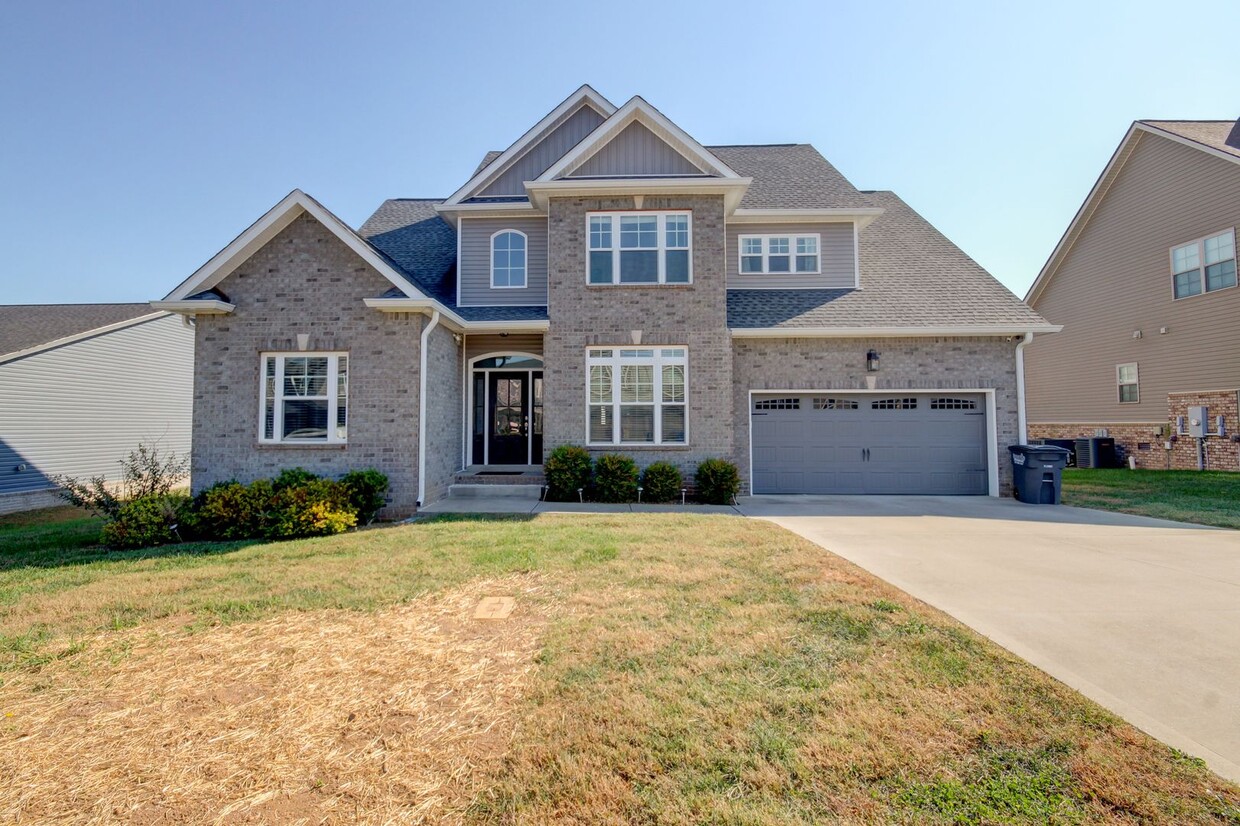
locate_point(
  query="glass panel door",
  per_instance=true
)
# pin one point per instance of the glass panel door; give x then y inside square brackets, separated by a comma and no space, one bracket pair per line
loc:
[508,430]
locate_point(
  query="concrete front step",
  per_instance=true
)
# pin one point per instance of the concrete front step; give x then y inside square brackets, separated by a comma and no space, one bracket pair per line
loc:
[519,491]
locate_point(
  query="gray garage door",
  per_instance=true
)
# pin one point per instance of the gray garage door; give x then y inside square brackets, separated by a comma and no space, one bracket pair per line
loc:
[838,443]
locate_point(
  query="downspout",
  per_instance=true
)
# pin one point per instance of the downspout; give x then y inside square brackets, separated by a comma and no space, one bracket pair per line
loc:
[426,335]
[1022,423]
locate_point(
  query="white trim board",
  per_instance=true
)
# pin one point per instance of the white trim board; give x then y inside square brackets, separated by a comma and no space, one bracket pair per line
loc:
[584,96]
[992,425]
[275,220]
[85,334]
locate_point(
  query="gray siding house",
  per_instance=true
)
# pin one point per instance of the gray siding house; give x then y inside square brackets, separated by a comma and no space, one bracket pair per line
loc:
[81,385]
[1144,284]
[609,281]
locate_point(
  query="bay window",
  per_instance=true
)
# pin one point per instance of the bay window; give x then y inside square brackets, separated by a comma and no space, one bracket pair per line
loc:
[637,395]
[304,398]
[639,248]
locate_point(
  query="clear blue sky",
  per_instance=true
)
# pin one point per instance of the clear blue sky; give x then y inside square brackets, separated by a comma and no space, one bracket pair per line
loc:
[137,139]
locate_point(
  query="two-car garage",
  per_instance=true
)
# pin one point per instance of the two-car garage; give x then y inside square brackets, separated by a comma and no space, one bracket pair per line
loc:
[890,442]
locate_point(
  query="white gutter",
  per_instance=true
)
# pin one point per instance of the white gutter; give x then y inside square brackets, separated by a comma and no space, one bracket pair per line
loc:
[1022,423]
[888,332]
[426,334]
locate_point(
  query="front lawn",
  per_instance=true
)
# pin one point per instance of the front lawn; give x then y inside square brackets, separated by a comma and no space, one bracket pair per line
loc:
[671,669]
[1204,497]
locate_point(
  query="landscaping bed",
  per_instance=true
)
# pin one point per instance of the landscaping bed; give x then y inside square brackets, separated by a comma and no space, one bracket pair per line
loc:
[1204,497]
[661,668]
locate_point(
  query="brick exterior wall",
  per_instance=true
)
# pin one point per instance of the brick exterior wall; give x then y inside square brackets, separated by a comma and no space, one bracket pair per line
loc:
[912,363]
[305,280]
[444,363]
[1220,454]
[694,316]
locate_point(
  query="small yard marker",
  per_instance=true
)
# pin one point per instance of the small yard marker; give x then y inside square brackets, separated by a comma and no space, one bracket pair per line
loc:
[495,608]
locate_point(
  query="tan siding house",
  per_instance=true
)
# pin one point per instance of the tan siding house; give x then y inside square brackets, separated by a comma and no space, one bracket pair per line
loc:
[1112,285]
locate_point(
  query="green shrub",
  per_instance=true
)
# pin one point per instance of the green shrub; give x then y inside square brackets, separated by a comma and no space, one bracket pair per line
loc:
[615,479]
[661,482]
[567,469]
[718,482]
[315,508]
[144,522]
[231,510]
[366,489]
[292,477]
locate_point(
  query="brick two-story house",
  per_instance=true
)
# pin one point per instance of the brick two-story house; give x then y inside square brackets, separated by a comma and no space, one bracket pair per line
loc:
[608,281]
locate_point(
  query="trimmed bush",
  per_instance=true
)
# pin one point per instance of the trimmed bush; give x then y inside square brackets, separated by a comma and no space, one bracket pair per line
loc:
[315,508]
[661,482]
[147,521]
[615,479]
[567,469]
[366,489]
[292,477]
[231,510]
[718,482]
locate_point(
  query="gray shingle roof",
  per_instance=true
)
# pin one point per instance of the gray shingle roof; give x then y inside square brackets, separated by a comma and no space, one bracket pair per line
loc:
[789,176]
[415,240]
[912,277]
[23,326]
[1211,133]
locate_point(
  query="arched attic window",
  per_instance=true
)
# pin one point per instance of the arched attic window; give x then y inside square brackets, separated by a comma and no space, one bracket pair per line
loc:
[508,247]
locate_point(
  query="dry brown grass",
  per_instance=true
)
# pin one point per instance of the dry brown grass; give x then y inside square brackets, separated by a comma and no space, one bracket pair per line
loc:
[325,717]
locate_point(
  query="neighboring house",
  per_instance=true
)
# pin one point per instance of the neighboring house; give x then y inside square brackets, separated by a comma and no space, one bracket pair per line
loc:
[81,385]
[609,281]
[1144,285]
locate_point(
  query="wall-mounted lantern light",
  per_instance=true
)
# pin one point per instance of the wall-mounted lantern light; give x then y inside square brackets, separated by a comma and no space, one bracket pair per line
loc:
[871,361]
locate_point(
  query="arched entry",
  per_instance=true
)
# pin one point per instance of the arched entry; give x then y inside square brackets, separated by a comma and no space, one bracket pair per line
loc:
[506,409]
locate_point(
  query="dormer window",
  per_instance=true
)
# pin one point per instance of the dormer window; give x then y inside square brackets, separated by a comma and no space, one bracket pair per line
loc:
[639,248]
[508,259]
[763,254]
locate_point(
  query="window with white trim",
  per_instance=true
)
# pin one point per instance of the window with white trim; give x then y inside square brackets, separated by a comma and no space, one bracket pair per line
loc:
[637,395]
[1204,265]
[767,254]
[1126,379]
[304,398]
[508,247]
[639,248]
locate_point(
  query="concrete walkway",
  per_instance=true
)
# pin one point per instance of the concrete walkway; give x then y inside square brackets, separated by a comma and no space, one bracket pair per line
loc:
[1141,615]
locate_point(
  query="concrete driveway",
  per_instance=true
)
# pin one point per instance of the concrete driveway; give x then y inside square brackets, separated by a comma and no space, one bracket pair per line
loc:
[1141,615]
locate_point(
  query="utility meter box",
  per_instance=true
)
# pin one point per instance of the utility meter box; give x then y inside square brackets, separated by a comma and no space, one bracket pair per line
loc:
[1197,418]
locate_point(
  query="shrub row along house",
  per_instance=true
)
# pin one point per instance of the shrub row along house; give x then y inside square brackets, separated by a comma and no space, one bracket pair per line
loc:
[609,281]
[1144,284]
[81,385]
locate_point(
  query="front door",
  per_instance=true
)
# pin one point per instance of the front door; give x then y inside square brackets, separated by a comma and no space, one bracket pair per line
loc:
[508,418]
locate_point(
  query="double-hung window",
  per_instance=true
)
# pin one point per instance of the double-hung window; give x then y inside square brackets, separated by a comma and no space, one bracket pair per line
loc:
[508,249]
[637,395]
[1205,265]
[304,398]
[763,254]
[1126,379]
[639,248]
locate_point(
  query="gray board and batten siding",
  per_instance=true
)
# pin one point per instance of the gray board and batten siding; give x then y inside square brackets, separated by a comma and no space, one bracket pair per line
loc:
[79,408]
[474,271]
[511,183]
[1116,279]
[837,262]
[636,151]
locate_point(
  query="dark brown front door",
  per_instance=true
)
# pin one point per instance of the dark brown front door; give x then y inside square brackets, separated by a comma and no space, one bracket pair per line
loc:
[508,419]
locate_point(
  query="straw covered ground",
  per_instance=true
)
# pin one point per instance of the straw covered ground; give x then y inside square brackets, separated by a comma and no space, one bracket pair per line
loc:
[658,669]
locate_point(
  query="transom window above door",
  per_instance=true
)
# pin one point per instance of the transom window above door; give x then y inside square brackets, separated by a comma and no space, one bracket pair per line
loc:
[637,395]
[639,248]
[764,254]
[508,247]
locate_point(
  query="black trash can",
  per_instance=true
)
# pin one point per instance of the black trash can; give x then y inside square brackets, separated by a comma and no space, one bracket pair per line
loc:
[1037,472]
